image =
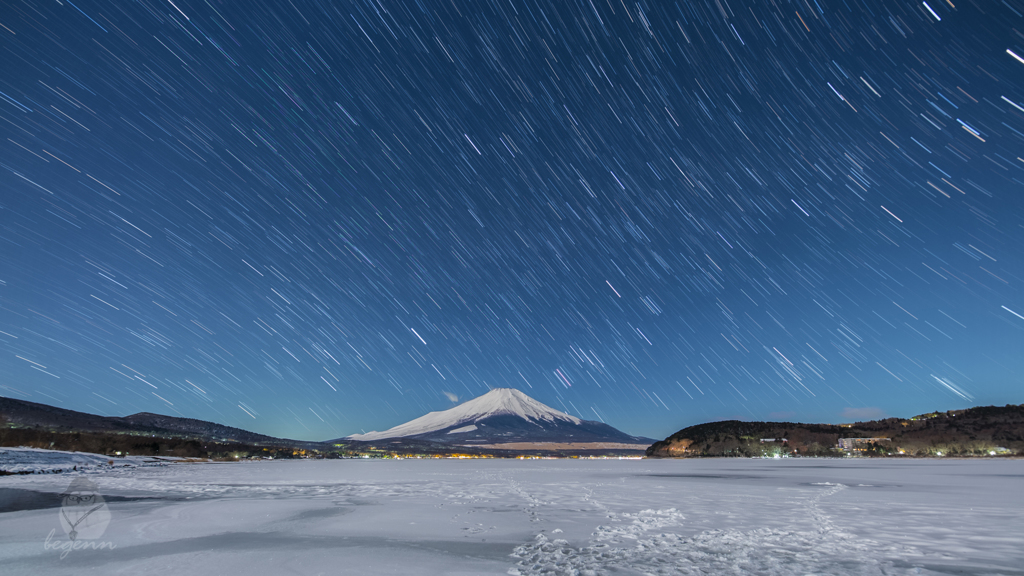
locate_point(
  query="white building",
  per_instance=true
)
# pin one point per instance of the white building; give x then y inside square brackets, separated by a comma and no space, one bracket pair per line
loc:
[854,443]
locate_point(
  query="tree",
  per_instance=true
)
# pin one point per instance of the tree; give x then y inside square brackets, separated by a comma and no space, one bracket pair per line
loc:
[4,422]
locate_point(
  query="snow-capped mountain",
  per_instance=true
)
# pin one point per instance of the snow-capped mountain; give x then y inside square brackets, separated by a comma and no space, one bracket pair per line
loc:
[503,415]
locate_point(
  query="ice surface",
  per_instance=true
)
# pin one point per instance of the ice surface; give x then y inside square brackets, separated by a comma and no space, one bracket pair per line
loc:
[499,401]
[571,517]
[22,460]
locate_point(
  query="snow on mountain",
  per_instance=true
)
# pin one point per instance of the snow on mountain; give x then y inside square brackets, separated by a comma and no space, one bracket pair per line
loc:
[497,402]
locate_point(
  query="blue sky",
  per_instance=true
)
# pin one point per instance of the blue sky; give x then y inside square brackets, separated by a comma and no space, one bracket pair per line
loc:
[313,219]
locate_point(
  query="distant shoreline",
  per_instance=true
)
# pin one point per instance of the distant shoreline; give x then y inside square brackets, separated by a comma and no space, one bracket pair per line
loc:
[979,432]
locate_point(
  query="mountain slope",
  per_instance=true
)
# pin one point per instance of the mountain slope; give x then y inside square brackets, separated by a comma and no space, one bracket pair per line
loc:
[975,431]
[25,413]
[501,416]
[202,429]
[31,414]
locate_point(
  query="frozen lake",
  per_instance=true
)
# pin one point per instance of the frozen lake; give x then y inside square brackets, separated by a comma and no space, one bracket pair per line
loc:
[475,517]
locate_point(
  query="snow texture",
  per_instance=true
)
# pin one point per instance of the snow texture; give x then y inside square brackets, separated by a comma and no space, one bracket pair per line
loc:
[497,402]
[33,460]
[532,518]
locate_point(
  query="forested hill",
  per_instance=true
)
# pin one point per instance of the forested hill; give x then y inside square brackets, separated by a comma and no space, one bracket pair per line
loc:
[24,414]
[974,431]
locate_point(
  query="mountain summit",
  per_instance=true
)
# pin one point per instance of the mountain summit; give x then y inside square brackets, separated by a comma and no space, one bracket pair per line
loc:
[503,416]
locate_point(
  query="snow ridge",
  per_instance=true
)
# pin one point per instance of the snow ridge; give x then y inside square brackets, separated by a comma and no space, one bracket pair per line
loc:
[497,402]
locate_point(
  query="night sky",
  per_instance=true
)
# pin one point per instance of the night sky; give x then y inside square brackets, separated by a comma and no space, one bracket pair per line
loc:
[310,219]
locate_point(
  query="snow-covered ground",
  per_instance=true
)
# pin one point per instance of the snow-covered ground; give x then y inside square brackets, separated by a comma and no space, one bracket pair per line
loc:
[34,460]
[476,517]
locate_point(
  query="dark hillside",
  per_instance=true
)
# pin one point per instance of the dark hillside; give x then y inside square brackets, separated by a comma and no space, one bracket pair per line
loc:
[22,414]
[974,431]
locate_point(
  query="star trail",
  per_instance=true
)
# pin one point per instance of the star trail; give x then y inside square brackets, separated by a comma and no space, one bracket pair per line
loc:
[311,218]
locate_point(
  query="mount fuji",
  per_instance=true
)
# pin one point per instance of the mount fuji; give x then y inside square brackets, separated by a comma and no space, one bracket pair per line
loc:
[507,418]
